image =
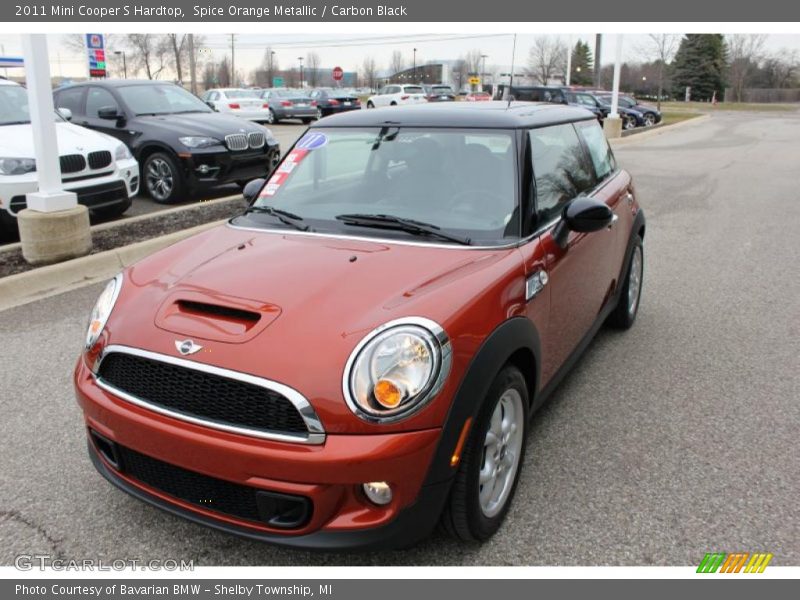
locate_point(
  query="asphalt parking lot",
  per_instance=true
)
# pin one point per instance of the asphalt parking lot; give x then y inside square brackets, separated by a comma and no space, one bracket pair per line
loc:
[676,438]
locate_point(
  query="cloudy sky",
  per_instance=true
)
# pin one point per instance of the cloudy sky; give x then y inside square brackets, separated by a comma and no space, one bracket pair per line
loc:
[348,50]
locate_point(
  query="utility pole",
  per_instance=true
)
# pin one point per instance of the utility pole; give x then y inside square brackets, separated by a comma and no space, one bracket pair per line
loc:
[192,66]
[598,50]
[233,62]
[483,68]
[568,77]
[415,65]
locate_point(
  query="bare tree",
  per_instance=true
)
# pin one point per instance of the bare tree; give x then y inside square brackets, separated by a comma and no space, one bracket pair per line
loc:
[224,74]
[269,65]
[547,59]
[460,72]
[312,69]
[369,72]
[209,76]
[661,48]
[397,63]
[472,61]
[149,53]
[782,69]
[744,53]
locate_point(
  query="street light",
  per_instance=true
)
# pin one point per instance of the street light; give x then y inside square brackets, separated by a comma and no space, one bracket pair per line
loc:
[124,62]
[415,65]
[483,68]
[300,58]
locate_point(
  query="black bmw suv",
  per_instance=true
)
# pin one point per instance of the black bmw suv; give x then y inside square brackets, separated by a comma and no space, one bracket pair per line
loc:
[181,144]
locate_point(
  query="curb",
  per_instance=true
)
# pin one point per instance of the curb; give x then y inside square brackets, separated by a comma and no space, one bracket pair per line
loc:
[624,141]
[138,218]
[52,280]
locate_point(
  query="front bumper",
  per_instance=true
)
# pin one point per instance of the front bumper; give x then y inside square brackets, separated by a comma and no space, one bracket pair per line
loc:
[95,190]
[213,167]
[328,475]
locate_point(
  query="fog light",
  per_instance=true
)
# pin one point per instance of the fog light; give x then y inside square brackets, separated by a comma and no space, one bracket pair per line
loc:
[203,169]
[378,492]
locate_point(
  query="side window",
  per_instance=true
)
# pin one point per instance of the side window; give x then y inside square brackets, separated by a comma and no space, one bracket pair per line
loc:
[395,89]
[98,98]
[71,99]
[381,91]
[599,150]
[559,168]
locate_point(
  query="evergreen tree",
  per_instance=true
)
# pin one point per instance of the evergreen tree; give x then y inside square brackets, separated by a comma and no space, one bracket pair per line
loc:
[582,64]
[700,64]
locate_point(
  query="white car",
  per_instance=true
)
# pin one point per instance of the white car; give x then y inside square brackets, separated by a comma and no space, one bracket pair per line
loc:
[97,167]
[397,95]
[247,104]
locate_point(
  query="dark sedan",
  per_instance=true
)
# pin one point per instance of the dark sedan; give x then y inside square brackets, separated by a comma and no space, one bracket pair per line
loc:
[289,104]
[331,101]
[181,144]
[439,93]
[650,115]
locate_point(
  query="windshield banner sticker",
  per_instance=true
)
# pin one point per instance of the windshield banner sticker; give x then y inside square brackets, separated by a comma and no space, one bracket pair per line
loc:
[283,171]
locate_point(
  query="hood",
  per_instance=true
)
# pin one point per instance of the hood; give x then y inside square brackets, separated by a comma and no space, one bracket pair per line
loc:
[17,140]
[291,307]
[200,124]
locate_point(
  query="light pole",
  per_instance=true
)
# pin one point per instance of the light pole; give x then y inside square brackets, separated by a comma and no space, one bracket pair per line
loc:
[415,65]
[483,68]
[124,62]
[271,73]
[300,58]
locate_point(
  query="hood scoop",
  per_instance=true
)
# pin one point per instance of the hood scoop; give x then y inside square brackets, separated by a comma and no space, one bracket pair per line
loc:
[215,316]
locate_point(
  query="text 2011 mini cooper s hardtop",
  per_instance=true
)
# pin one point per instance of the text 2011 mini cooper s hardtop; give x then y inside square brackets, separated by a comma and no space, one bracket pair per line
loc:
[355,358]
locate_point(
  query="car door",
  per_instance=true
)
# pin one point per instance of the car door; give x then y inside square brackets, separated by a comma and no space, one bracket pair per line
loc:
[73,99]
[577,279]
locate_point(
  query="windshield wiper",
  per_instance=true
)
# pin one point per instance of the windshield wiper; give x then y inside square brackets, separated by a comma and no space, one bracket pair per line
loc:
[15,123]
[284,216]
[408,225]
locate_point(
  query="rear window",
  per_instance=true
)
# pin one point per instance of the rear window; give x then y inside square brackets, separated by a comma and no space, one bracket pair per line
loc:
[413,89]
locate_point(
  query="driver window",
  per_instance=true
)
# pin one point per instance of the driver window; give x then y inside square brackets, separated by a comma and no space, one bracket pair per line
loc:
[98,98]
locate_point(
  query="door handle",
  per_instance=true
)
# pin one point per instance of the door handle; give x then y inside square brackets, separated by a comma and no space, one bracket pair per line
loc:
[614,219]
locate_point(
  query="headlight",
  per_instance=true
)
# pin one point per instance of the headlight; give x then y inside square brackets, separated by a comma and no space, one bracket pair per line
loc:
[122,153]
[396,369]
[102,310]
[17,166]
[199,142]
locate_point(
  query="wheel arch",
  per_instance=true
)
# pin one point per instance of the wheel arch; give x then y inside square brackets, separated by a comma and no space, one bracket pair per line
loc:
[143,151]
[515,341]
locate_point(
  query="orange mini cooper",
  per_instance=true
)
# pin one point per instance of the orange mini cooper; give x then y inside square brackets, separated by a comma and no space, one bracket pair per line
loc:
[357,356]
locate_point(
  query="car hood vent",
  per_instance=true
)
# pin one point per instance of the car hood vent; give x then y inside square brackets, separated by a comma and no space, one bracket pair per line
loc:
[214,317]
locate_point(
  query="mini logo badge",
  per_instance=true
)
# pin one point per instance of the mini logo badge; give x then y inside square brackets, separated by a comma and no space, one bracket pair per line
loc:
[187,347]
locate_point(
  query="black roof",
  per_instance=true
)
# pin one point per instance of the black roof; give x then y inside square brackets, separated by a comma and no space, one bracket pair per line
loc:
[490,115]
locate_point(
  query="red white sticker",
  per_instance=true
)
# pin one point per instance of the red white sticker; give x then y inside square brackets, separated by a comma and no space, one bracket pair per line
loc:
[283,171]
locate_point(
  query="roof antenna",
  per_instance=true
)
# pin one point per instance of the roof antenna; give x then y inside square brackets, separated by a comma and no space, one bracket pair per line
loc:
[511,76]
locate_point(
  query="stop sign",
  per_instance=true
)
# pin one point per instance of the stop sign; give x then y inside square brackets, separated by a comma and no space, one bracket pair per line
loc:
[338,73]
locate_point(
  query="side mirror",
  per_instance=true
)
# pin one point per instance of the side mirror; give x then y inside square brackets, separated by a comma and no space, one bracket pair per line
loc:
[66,113]
[583,215]
[250,191]
[109,113]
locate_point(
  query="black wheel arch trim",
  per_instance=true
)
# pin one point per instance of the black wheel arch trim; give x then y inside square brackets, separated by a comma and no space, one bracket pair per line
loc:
[511,336]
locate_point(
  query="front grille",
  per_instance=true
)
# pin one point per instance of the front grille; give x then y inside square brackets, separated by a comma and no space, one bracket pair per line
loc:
[99,160]
[206,396]
[95,196]
[256,140]
[236,141]
[72,163]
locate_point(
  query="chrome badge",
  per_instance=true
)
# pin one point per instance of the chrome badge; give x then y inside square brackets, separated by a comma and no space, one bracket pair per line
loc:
[187,347]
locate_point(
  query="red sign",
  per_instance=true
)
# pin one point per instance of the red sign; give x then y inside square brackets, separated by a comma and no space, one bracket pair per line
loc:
[338,74]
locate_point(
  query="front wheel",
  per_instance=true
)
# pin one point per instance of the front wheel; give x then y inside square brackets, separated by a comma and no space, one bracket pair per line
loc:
[162,178]
[370,104]
[630,294]
[649,120]
[629,122]
[490,465]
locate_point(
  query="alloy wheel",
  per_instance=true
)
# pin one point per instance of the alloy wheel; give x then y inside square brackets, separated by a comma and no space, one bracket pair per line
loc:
[635,280]
[159,179]
[502,447]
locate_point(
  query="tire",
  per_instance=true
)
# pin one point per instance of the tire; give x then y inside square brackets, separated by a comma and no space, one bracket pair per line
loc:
[320,114]
[629,122]
[630,294]
[272,119]
[370,104]
[161,166]
[649,119]
[307,120]
[471,515]
[393,103]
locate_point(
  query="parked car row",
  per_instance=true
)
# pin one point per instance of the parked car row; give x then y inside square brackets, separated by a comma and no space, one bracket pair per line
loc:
[631,111]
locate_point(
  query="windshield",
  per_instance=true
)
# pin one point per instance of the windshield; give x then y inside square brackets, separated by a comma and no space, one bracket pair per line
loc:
[159,99]
[14,106]
[461,181]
